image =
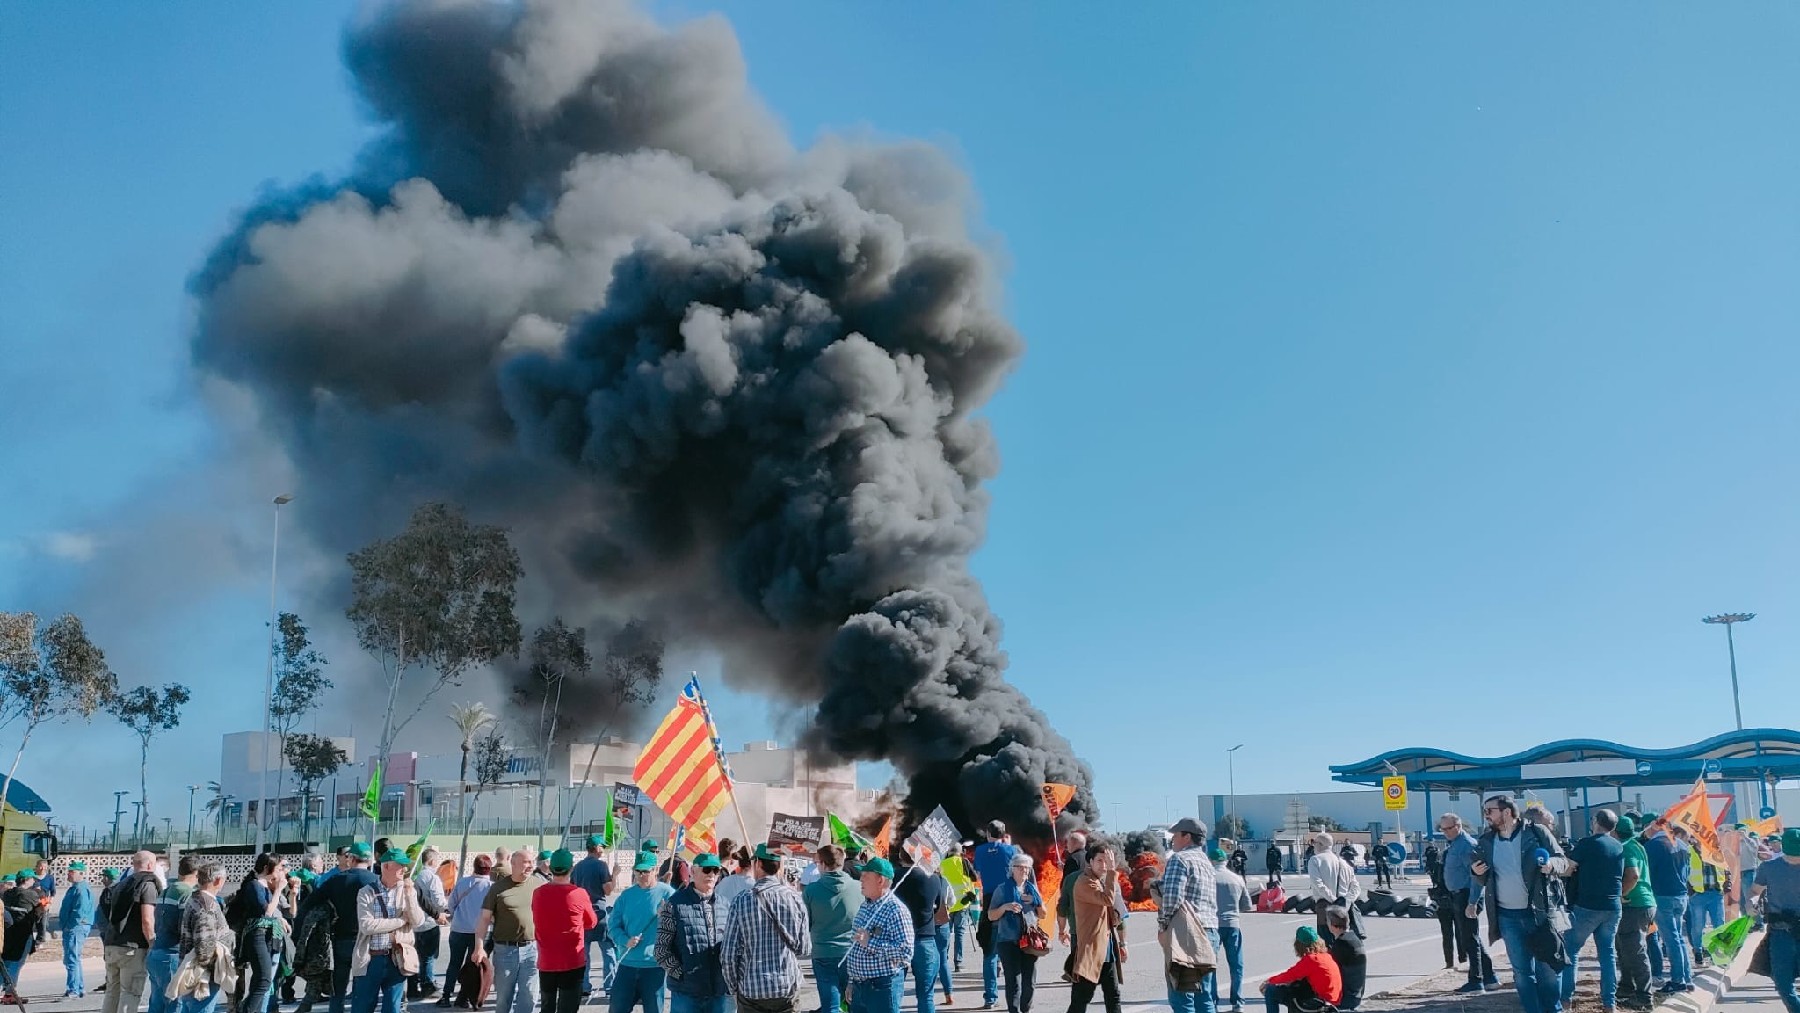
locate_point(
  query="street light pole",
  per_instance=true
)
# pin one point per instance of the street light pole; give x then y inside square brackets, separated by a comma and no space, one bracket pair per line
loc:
[262,774]
[1727,620]
[118,814]
[1231,783]
[192,788]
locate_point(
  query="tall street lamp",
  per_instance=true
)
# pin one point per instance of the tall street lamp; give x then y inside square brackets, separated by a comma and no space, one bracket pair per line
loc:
[1727,620]
[1231,782]
[262,774]
[192,788]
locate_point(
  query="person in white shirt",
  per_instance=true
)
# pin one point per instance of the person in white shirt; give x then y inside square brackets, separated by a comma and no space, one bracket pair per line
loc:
[436,905]
[1333,880]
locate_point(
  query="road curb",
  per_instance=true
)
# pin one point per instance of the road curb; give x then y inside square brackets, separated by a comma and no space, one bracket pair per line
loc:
[1713,983]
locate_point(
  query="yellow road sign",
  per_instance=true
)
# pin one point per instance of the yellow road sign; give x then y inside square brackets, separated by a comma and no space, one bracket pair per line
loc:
[1393,792]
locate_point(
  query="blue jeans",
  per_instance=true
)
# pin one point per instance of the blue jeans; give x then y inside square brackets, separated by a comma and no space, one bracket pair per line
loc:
[959,927]
[925,974]
[380,983]
[460,945]
[515,978]
[1200,1001]
[633,986]
[1539,987]
[74,938]
[1784,965]
[609,960]
[1671,923]
[265,960]
[832,979]
[1601,926]
[878,995]
[160,966]
[1704,908]
[942,938]
[679,1003]
[1232,942]
[13,967]
[189,1004]
[990,973]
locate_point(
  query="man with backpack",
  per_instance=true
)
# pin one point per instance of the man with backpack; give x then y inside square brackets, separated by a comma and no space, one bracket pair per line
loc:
[132,918]
[339,893]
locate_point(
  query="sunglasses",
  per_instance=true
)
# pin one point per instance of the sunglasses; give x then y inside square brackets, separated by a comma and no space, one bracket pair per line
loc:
[711,872]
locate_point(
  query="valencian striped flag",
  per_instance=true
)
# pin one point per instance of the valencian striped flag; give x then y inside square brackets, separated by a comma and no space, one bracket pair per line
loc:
[681,769]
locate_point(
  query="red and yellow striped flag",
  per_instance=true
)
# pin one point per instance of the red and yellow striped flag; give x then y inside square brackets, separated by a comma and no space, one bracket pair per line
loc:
[679,771]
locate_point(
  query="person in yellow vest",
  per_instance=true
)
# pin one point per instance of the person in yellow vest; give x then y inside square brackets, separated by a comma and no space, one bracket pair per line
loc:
[965,897]
[1706,903]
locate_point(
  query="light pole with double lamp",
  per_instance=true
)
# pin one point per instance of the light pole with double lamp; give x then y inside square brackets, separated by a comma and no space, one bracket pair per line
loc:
[262,775]
[1728,620]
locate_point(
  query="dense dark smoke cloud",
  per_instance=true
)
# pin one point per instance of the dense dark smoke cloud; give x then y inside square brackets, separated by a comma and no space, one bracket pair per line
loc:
[583,285]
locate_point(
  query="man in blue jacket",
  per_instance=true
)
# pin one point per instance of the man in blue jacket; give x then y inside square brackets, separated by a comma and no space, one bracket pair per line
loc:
[1668,881]
[76,917]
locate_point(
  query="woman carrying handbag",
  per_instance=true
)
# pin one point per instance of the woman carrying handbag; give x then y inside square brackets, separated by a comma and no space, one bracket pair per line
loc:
[1017,909]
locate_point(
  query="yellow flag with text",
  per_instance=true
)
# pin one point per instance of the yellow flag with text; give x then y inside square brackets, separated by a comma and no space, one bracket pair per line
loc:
[1695,813]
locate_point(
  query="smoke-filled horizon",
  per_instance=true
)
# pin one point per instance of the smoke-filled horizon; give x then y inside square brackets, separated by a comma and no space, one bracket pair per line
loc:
[583,286]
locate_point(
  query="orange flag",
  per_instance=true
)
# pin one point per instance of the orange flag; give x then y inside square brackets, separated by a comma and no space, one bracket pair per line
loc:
[885,839]
[1695,813]
[1056,796]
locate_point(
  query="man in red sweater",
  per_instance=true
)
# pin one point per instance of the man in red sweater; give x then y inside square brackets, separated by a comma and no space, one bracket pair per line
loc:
[562,914]
[1314,977]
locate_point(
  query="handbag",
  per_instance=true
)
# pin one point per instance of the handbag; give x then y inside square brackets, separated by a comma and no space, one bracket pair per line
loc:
[1034,941]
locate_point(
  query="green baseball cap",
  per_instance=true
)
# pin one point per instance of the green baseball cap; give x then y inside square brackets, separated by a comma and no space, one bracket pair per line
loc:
[650,845]
[767,854]
[880,867]
[1790,841]
[77,866]
[543,856]
[113,873]
[361,851]
[646,862]
[561,860]
[1306,934]
[27,874]
[596,840]
[396,856]
[1626,827]
[1216,854]
[708,860]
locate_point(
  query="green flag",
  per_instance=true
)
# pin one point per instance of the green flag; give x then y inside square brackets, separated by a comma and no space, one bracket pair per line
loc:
[417,848]
[1724,942]
[371,803]
[609,831]
[844,837]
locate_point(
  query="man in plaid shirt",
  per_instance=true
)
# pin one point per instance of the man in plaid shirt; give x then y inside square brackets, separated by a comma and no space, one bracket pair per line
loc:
[766,934]
[882,948]
[1188,879]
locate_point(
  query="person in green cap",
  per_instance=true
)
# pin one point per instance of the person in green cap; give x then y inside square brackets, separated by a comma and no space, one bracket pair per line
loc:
[23,912]
[342,890]
[881,944]
[594,874]
[690,935]
[387,915]
[1637,917]
[562,916]
[632,925]
[76,916]
[1312,979]
[765,936]
[1778,884]
[542,871]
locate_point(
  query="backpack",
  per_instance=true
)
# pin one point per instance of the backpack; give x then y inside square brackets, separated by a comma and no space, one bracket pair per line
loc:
[123,908]
[242,909]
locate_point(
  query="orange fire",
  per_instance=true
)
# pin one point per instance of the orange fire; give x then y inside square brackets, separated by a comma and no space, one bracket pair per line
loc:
[1049,883]
[1146,869]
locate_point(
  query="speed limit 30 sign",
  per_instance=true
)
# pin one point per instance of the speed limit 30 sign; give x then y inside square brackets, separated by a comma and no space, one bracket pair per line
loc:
[1393,792]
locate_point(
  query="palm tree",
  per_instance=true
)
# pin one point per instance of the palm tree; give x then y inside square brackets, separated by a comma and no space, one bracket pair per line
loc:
[218,804]
[470,719]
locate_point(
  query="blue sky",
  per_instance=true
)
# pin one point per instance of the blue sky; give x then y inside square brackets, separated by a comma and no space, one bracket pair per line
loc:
[1396,375]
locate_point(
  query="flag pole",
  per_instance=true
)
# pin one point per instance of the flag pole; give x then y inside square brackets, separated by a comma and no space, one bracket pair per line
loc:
[719,751]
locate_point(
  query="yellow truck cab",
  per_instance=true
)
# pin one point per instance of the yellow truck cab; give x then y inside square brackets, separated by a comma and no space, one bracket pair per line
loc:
[24,837]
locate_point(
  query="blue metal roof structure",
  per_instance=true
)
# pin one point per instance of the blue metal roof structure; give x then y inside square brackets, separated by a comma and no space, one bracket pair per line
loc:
[25,800]
[1752,754]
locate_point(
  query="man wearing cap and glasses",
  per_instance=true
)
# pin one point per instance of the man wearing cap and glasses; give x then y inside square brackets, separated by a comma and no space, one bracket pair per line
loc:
[562,914]
[595,875]
[341,891]
[387,912]
[690,932]
[766,934]
[632,924]
[1459,855]
[882,947]
[1778,884]
[1188,880]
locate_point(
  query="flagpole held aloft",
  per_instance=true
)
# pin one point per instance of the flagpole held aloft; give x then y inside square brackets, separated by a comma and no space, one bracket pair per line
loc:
[719,751]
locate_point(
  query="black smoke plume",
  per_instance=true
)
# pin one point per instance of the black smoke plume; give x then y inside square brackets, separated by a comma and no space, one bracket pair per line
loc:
[583,285]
